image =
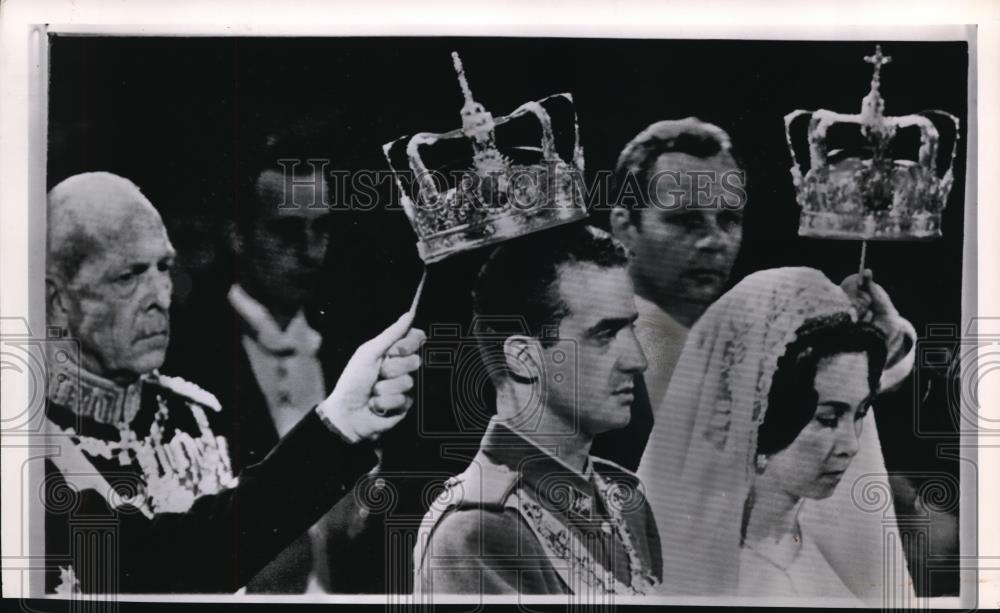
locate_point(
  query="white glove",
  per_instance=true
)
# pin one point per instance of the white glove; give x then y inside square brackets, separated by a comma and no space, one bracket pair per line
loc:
[874,306]
[371,395]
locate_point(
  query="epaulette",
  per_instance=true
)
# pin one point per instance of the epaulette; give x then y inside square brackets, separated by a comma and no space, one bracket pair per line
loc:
[185,388]
[484,484]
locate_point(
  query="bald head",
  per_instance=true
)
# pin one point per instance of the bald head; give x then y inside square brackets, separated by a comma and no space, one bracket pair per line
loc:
[108,273]
[89,212]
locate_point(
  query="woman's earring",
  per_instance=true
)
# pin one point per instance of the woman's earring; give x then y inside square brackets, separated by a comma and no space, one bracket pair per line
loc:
[760,463]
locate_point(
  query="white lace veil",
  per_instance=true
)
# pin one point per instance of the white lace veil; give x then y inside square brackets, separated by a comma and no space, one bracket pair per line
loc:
[698,465]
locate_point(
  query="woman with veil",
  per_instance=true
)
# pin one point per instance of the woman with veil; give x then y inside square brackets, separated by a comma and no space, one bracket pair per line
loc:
[764,459]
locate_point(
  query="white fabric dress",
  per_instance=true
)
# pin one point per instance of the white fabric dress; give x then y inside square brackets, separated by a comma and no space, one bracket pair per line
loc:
[698,466]
[764,573]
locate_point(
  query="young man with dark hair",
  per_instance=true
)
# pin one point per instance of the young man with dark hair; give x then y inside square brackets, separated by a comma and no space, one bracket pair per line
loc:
[535,512]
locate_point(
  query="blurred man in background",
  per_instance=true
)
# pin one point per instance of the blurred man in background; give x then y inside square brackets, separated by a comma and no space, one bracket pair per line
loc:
[684,232]
[259,344]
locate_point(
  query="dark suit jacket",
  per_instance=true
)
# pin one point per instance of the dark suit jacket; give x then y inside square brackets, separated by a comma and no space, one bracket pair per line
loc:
[207,349]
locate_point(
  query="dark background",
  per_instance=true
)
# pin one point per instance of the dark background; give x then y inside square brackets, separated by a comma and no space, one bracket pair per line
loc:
[174,114]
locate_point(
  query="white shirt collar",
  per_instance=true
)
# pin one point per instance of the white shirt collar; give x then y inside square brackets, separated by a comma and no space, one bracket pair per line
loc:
[297,337]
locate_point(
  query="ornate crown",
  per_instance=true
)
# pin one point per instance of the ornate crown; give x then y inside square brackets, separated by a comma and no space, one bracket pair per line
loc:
[860,190]
[465,202]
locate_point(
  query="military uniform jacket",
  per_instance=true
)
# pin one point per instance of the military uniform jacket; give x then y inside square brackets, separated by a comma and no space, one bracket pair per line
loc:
[140,497]
[519,520]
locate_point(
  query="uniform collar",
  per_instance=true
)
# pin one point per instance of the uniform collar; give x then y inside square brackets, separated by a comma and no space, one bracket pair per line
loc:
[297,337]
[89,395]
[557,485]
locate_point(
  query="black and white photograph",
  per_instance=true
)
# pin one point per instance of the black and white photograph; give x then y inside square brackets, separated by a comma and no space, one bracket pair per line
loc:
[439,319]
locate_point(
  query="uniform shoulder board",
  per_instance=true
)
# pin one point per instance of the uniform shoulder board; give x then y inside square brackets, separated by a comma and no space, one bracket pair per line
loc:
[484,484]
[189,390]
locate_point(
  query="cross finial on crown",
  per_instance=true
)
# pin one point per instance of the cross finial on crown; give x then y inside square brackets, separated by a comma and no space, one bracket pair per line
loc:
[872,105]
[878,61]
[877,190]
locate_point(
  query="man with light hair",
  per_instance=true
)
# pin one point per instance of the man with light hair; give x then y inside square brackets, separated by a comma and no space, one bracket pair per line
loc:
[136,450]
[684,230]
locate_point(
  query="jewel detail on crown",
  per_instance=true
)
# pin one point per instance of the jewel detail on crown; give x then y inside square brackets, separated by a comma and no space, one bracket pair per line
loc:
[871,197]
[496,198]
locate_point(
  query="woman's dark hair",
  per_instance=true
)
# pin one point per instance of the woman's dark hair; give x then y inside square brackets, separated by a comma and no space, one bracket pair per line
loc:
[791,401]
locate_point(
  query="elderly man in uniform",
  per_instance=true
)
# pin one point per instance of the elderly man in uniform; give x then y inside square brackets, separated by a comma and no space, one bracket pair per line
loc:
[140,496]
[535,513]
